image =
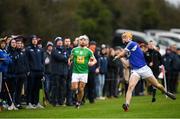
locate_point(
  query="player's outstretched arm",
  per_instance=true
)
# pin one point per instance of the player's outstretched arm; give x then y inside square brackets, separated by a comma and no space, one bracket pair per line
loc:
[120,54]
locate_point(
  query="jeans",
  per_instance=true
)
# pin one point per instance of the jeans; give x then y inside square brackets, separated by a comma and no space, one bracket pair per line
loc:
[100,80]
[48,86]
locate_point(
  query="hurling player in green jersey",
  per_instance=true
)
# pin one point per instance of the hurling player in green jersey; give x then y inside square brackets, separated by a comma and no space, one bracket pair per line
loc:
[81,57]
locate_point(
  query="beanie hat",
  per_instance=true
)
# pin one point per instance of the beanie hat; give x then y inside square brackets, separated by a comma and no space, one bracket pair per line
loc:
[33,36]
[92,42]
[19,38]
[57,39]
[49,44]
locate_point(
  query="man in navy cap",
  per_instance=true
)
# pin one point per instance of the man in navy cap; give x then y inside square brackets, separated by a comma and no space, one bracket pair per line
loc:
[35,58]
[59,70]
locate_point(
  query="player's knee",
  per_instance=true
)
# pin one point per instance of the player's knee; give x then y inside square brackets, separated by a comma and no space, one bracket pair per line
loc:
[74,87]
[81,88]
[131,87]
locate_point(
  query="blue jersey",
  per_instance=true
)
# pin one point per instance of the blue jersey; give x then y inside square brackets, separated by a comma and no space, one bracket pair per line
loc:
[135,54]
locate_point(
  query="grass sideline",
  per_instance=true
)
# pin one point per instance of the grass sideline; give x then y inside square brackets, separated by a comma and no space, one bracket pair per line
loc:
[141,107]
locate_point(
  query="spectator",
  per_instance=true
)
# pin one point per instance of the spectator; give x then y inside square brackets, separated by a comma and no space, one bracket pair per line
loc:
[4,62]
[111,75]
[21,71]
[167,60]
[175,68]
[102,69]
[59,69]
[120,83]
[11,73]
[90,87]
[76,42]
[48,72]
[154,61]
[68,49]
[35,58]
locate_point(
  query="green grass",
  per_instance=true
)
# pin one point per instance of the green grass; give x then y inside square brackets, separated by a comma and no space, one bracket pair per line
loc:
[141,107]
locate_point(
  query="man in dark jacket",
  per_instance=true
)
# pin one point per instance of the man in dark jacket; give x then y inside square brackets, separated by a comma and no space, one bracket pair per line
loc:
[11,74]
[111,81]
[90,87]
[21,71]
[175,68]
[167,62]
[68,49]
[35,58]
[48,77]
[154,61]
[59,72]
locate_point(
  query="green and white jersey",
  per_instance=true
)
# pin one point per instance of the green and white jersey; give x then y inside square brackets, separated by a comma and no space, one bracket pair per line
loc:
[81,57]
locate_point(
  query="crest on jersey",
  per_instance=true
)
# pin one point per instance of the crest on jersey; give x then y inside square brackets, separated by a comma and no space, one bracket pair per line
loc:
[134,48]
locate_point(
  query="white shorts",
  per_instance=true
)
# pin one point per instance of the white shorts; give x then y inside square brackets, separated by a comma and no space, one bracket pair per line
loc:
[143,72]
[79,77]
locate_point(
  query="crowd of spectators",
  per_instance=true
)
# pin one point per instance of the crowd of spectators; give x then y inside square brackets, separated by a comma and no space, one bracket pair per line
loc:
[25,69]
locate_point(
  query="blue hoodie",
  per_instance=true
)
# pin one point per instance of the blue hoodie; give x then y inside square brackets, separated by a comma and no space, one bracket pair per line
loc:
[4,63]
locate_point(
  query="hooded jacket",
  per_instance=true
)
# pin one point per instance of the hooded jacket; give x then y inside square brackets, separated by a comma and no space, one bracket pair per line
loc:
[35,58]
[12,66]
[4,63]
[59,61]
[21,62]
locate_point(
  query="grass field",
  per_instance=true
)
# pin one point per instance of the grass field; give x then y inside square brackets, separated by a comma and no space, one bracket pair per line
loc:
[141,107]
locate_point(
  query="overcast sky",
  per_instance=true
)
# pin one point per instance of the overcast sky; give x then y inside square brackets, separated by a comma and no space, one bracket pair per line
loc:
[175,2]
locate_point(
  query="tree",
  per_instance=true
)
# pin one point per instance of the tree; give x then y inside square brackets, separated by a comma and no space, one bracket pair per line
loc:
[149,16]
[95,20]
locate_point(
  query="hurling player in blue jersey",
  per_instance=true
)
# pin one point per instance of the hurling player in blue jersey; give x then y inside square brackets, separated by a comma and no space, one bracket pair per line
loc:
[139,68]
